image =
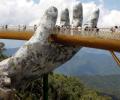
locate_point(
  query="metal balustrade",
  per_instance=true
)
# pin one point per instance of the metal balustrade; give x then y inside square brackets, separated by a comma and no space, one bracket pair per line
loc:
[101,38]
[17,28]
[104,33]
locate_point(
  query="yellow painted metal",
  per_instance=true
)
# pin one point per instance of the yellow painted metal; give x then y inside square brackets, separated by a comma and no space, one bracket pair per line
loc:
[85,41]
[18,35]
[66,39]
[115,58]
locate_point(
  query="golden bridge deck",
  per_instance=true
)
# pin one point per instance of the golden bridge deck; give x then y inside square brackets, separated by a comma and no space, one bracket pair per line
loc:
[102,39]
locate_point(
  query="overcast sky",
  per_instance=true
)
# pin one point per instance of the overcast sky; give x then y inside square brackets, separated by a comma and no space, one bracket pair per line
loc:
[15,12]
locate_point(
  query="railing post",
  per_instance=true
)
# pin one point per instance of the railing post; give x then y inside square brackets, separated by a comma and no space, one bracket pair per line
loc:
[45,86]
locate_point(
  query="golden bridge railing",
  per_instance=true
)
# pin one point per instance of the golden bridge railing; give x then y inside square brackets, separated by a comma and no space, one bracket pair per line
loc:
[20,32]
[17,28]
[101,38]
[104,33]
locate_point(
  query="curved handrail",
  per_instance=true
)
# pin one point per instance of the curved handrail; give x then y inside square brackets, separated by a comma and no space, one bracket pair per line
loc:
[115,58]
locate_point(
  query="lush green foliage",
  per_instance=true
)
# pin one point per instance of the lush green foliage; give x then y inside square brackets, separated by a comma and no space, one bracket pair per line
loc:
[108,84]
[70,88]
[2,56]
[60,88]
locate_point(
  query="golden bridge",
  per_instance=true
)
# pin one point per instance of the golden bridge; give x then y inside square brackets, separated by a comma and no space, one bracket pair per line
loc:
[102,39]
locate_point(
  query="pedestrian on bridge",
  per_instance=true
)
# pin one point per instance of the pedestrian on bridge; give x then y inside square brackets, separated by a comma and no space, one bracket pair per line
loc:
[24,27]
[6,27]
[35,27]
[114,29]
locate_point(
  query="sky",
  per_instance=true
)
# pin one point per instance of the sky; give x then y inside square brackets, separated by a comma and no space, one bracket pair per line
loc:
[29,12]
[108,4]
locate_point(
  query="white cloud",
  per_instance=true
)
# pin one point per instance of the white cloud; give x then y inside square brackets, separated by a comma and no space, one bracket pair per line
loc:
[60,4]
[111,19]
[27,12]
[88,9]
[17,11]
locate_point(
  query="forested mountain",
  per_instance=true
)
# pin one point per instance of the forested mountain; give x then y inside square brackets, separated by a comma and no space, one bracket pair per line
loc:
[109,84]
[90,62]
[61,87]
[86,62]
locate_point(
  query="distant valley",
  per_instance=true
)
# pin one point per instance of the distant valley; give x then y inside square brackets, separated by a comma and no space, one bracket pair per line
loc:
[108,84]
[90,62]
[86,62]
[95,68]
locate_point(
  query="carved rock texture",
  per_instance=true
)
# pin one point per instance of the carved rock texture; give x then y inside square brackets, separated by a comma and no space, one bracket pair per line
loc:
[77,15]
[37,56]
[65,20]
[94,19]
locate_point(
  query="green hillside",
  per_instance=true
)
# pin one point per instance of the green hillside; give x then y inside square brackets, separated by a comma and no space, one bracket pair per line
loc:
[109,84]
[86,62]
[60,88]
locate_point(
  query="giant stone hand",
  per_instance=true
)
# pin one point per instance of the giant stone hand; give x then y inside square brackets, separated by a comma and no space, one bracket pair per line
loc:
[37,56]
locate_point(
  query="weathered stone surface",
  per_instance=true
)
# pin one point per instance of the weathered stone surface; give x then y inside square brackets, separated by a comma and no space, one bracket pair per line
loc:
[1,45]
[77,15]
[37,56]
[65,20]
[94,18]
[92,22]
[7,94]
